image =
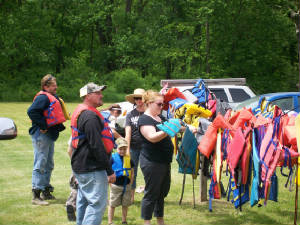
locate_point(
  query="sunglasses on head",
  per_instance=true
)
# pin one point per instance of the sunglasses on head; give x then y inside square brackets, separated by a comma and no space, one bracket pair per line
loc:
[137,98]
[48,80]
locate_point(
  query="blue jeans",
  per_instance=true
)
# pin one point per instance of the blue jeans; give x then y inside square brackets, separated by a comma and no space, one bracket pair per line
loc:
[91,197]
[43,163]
[135,157]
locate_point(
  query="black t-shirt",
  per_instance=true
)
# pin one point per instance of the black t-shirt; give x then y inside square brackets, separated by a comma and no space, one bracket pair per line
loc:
[120,180]
[161,151]
[90,154]
[132,121]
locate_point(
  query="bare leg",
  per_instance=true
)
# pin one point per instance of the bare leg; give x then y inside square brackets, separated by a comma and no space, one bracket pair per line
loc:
[160,221]
[124,213]
[132,195]
[111,212]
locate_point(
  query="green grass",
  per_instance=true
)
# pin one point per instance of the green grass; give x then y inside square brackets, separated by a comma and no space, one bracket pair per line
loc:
[16,159]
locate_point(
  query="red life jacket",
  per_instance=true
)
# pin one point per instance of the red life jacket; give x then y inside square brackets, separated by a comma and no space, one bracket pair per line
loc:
[106,133]
[54,114]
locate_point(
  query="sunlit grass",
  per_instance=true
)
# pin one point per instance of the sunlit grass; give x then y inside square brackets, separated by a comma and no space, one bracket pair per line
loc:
[16,159]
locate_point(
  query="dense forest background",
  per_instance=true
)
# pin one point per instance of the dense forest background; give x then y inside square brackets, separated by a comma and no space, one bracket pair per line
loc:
[136,43]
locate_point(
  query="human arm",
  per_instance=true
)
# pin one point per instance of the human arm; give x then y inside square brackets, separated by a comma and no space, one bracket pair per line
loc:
[92,127]
[128,137]
[150,133]
[132,176]
[36,110]
[70,150]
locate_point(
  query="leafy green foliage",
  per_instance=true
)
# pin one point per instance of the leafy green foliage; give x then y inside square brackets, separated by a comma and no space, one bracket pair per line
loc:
[140,43]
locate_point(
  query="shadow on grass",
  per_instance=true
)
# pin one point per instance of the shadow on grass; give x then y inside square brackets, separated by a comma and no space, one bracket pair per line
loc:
[225,213]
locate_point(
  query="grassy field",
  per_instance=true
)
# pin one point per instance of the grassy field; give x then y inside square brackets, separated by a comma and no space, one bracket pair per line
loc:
[16,159]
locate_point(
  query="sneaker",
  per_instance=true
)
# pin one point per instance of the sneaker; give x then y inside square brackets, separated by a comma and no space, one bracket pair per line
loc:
[39,201]
[124,222]
[71,213]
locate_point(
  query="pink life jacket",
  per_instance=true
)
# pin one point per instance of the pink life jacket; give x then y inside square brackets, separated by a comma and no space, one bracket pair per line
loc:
[236,148]
[269,154]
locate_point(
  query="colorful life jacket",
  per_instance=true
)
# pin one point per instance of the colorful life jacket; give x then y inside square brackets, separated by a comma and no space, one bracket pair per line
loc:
[200,91]
[174,105]
[297,125]
[208,142]
[256,164]
[121,168]
[170,95]
[270,151]
[54,114]
[236,149]
[240,193]
[171,127]
[106,133]
[187,154]
[214,187]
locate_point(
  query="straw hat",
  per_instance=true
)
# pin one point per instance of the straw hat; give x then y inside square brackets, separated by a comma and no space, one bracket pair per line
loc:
[137,93]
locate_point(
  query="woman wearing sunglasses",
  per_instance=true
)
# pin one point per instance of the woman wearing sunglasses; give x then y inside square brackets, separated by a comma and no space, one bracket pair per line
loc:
[155,158]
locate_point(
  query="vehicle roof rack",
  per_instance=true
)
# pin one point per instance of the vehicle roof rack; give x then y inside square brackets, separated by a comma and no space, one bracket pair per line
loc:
[191,82]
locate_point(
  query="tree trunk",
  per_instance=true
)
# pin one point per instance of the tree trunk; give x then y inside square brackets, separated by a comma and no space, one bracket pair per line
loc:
[128,6]
[92,45]
[207,66]
[168,68]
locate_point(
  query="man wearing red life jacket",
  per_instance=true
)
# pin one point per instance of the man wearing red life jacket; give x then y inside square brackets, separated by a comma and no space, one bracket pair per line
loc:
[92,143]
[47,117]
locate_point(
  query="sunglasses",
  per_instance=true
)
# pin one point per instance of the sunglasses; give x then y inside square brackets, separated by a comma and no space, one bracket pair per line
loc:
[48,80]
[137,98]
[159,104]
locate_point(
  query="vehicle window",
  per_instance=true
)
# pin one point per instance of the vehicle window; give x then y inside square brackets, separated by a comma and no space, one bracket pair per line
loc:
[220,94]
[284,103]
[238,95]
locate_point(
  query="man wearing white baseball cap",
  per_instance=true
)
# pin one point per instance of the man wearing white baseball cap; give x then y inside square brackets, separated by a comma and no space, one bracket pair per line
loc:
[92,144]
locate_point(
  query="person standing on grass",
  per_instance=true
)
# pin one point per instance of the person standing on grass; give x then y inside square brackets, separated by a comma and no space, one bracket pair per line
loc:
[156,157]
[92,144]
[47,119]
[71,201]
[120,190]
[114,112]
[132,135]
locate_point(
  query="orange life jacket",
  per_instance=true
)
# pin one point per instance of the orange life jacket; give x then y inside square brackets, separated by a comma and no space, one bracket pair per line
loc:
[106,133]
[54,114]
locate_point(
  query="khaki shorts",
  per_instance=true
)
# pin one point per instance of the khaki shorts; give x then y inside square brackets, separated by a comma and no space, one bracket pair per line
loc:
[116,197]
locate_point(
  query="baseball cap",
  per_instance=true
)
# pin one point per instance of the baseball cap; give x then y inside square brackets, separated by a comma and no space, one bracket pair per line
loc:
[91,88]
[121,142]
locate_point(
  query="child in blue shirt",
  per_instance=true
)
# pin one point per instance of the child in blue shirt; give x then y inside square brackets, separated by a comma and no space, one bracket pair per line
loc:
[120,191]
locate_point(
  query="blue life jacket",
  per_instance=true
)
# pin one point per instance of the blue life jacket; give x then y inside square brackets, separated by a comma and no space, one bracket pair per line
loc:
[256,165]
[240,194]
[121,168]
[174,105]
[200,91]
